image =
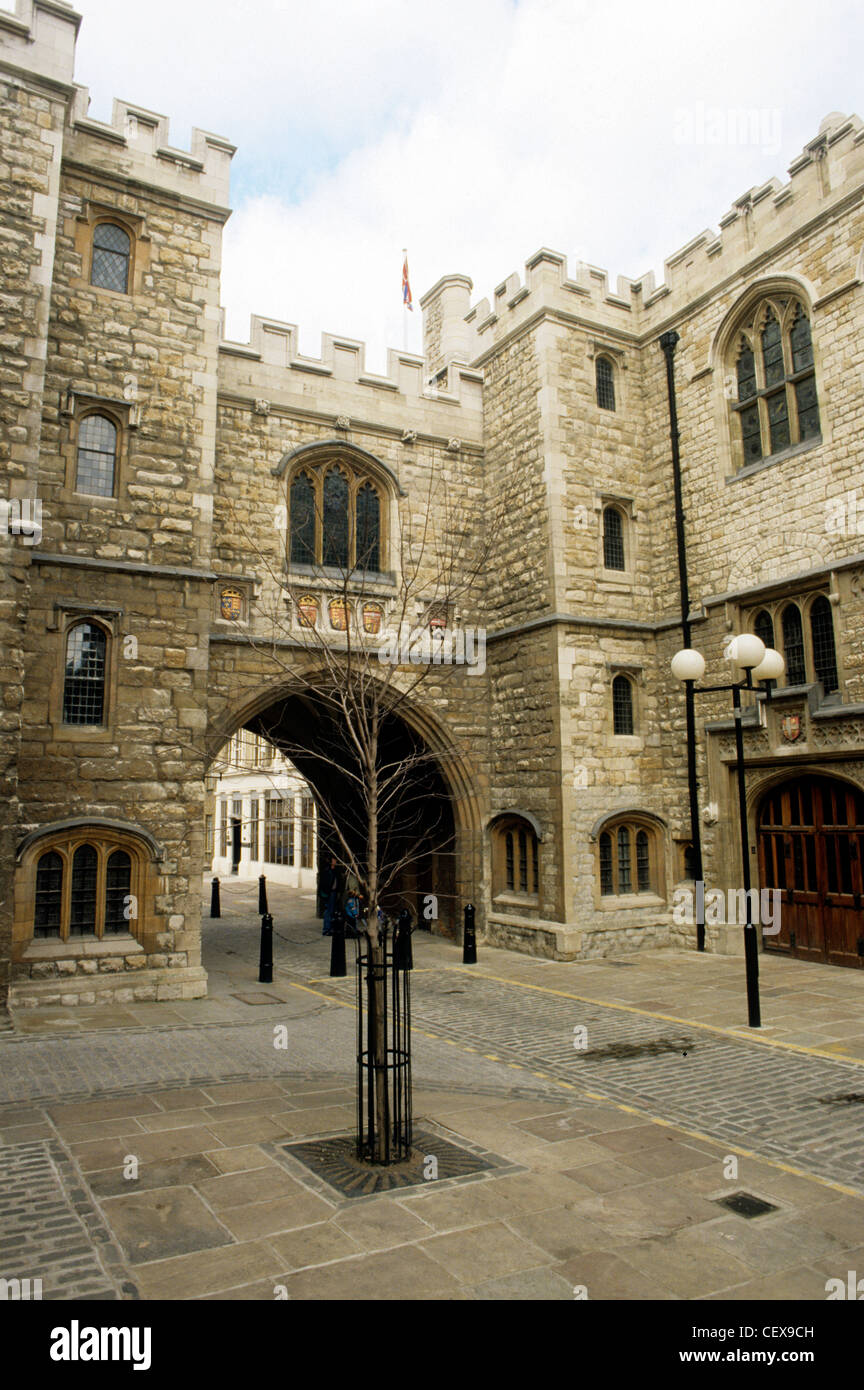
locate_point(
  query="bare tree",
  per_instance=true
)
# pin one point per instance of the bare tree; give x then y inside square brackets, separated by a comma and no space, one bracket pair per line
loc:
[380,806]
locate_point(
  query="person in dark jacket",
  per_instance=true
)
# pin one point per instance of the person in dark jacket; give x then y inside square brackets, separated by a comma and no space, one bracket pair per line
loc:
[332,892]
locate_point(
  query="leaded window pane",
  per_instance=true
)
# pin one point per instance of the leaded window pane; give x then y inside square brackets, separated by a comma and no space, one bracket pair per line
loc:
[97,456]
[605,380]
[82,917]
[772,351]
[824,654]
[302,521]
[763,627]
[49,895]
[643,862]
[523,862]
[368,529]
[605,863]
[84,687]
[110,268]
[751,434]
[808,408]
[793,646]
[613,539]
[746,372]
[625,884]
[509,863]
[118,878]
[622,705]
[801,343]
[336,519]
[778,420]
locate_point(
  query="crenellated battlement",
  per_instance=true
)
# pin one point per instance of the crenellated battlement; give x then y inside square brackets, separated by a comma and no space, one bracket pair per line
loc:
[38,40]
[828,168]
[136,144]
[343,360]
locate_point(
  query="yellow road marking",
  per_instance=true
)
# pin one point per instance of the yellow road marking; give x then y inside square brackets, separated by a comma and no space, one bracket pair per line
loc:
[630,1109]
[753,1036]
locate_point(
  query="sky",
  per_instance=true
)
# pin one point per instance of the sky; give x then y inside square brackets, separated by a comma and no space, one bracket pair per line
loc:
[471,132]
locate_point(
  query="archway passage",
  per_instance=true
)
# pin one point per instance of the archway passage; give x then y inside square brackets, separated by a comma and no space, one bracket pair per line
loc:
[416,832]
[811,846]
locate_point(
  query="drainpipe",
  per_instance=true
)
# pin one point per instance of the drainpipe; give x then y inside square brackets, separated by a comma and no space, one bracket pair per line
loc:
[668,342]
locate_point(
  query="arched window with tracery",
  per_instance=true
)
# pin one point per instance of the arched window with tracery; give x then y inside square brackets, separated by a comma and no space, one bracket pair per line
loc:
[337,515]
[772,357]
[86,881]
[629,858]
[515,858]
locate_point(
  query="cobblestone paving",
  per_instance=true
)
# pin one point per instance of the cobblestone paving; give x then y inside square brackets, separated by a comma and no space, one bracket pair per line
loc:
[49,1228]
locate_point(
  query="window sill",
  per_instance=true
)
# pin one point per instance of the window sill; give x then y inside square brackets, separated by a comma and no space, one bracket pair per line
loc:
[615,902]
[748,469]
[330,575]
[50,948]
[516,900]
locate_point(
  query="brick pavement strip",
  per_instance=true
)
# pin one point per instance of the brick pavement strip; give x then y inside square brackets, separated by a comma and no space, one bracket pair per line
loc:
[51,1230]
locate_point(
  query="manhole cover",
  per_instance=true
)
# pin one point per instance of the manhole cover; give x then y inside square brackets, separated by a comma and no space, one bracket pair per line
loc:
[259,998]
[745,1204]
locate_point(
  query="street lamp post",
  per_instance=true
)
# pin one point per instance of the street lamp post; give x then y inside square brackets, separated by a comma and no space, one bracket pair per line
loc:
[759,663]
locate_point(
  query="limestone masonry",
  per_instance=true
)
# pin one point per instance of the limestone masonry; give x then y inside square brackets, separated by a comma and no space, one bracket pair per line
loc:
[137,623]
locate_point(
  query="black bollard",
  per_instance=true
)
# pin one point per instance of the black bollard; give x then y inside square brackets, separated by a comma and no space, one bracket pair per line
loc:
[262,895]
[265,961]
[215,910]
[337,943]
[469,938]
[403,954]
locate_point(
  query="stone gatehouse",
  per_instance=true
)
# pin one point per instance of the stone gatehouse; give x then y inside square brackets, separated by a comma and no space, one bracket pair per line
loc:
[156,486]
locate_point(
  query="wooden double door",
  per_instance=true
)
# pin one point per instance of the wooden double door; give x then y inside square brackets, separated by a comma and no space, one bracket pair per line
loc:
[811,847]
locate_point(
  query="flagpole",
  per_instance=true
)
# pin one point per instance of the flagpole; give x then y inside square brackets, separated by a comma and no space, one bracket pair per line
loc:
[405,310]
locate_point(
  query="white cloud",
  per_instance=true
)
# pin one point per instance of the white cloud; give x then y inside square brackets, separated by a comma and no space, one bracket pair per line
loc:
[472,132]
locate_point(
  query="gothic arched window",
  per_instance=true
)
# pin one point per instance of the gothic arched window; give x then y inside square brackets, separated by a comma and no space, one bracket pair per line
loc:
[628,858]
[793,645]
[49,895]
[111,255]
[84,683]
[97,456]
[302,520]
[515,858]
[604,378]
[777,405]
[336,518]
[82,910]
[822,636]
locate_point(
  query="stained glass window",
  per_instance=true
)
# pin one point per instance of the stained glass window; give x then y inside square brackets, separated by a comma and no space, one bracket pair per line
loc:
[335,519]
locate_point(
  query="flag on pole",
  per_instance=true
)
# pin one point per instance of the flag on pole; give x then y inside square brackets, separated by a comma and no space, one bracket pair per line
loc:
[406,284]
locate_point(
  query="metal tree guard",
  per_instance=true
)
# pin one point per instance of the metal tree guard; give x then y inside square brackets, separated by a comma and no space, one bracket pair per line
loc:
[384,1046]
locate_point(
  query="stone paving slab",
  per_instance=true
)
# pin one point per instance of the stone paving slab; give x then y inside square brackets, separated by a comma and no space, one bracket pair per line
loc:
[186,1230]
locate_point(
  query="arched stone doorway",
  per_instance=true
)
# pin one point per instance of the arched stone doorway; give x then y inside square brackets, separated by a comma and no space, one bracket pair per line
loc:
[811,847]
[430,827]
